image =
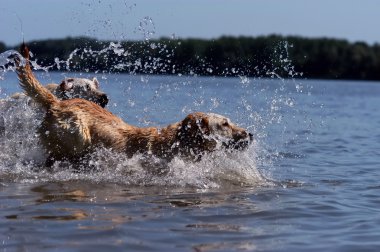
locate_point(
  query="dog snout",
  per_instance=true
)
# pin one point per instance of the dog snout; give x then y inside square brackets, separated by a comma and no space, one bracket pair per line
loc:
[242,139]
[248,136]
[241,134]
[103,100]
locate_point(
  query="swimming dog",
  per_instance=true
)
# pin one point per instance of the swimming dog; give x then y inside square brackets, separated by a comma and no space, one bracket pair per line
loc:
[72,128]
[74,88]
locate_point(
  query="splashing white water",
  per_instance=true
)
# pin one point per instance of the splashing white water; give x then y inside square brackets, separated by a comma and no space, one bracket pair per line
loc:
[22,157]
[22,152]
[7,62]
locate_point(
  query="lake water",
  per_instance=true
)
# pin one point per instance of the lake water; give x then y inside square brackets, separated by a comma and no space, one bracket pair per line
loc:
[310,182]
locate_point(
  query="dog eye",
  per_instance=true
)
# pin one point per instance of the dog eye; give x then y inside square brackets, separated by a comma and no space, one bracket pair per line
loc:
[225,124]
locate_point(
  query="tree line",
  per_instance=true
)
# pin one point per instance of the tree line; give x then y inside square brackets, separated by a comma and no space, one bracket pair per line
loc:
[263,56]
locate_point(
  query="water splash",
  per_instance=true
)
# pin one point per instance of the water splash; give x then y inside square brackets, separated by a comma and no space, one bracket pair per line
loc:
[18,140]
[146,28]
[17,161]
[216,170]
[213,171]
[22,157]
[7,62]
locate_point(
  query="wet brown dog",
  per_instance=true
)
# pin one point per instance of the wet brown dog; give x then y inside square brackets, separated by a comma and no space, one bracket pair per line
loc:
[79,88]
[69,88]
[75,88]
[72,128]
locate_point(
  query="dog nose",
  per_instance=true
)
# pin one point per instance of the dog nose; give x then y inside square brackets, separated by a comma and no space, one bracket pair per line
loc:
[250,136]
[103,100]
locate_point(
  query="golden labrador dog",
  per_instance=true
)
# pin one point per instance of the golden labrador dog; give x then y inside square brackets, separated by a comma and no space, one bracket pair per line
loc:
[72,128]
[68,89]
[75,88]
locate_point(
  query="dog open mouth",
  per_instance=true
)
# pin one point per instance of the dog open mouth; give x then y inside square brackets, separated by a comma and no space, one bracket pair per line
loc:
[239,144]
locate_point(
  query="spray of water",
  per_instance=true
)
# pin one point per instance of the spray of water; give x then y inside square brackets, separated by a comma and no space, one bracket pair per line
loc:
[22,156]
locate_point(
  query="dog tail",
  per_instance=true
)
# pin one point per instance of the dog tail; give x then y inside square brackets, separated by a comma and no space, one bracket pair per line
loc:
[30,84]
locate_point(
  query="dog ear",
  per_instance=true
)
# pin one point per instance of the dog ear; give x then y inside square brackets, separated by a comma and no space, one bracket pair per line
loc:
[65,85]
[96,82]
[192,135]
[194,124]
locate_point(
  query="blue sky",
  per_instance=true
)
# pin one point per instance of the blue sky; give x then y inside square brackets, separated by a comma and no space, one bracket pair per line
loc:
[140,19]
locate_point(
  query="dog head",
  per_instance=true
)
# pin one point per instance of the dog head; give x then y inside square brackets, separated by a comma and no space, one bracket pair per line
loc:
[202,132]
[82,88]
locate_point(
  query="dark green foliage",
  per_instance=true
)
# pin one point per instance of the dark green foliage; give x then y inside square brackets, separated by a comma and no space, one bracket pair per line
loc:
[2,47]
[263,56]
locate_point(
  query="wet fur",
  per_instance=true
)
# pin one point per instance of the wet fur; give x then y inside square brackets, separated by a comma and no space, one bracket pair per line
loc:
[79,88]
[72,128]
[74,88]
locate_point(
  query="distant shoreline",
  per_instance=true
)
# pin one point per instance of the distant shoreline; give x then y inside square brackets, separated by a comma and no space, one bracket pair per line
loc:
[264,56]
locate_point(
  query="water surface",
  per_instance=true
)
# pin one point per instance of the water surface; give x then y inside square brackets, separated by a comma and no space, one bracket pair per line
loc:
[310,181]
